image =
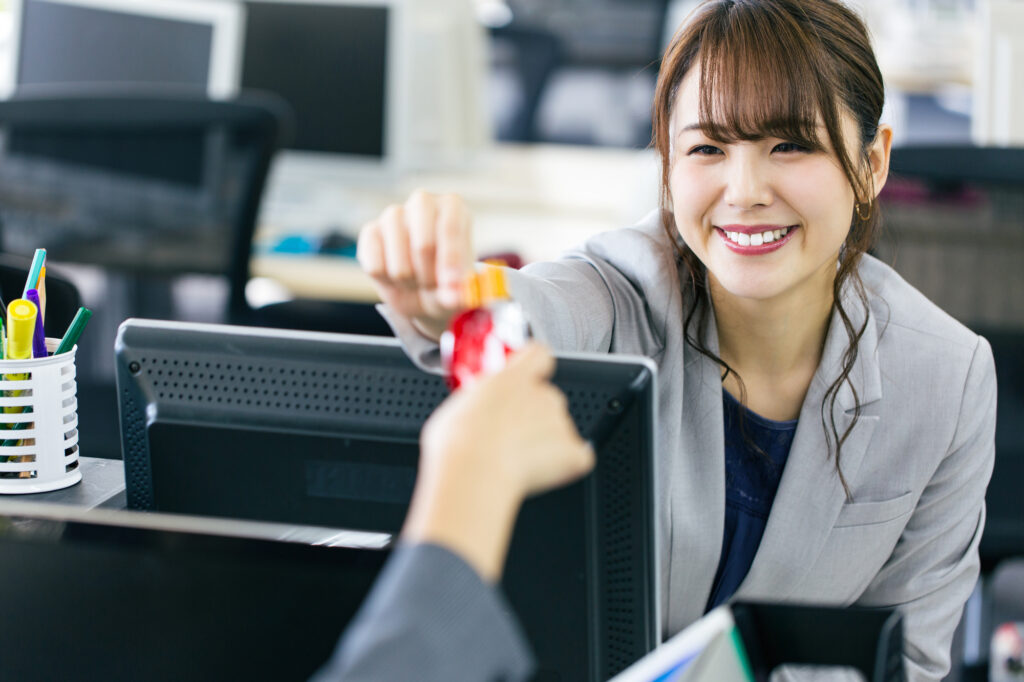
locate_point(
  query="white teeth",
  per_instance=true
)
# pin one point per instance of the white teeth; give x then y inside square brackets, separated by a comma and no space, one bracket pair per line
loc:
[757,239]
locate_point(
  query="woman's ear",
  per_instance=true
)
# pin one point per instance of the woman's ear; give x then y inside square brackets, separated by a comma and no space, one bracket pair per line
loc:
[878,157]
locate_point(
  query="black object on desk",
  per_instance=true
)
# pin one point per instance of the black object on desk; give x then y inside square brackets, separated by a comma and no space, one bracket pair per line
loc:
[105,595]
[870,641]
[322,429]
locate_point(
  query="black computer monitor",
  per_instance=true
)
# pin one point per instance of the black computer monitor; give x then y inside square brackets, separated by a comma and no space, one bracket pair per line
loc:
[125,596]
[329,61]
[322,429]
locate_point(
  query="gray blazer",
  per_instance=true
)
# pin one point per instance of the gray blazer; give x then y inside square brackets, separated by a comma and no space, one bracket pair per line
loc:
[430,617]
[917,462]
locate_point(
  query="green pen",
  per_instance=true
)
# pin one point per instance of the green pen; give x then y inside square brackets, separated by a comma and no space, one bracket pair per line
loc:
[74,331]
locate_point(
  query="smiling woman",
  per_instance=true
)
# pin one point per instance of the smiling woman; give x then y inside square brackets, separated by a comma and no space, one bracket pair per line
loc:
[826,433]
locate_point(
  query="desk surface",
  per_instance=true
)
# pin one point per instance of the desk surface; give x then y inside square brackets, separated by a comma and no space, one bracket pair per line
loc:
[102,485]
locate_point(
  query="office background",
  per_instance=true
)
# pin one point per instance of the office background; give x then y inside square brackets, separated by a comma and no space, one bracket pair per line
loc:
[557,100]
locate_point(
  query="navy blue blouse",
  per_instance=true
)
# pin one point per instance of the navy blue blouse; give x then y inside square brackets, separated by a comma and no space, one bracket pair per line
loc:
[751,481]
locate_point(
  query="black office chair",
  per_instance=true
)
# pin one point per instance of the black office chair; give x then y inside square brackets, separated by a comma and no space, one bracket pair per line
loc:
[62,297]
[546,36]
[142,184]
[315,315]
[149,183]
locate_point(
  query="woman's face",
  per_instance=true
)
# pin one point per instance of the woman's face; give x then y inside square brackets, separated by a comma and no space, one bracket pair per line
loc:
[767,218]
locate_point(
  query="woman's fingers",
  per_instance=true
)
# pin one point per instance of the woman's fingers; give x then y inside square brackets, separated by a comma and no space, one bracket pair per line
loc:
[398,258]
[454,249]
[370,251]
[418,254]
[421,219]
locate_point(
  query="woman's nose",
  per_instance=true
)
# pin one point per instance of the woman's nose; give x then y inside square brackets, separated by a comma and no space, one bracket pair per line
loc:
[747,184]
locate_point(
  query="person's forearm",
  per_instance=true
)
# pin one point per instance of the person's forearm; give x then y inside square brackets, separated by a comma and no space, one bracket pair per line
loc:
[458,512]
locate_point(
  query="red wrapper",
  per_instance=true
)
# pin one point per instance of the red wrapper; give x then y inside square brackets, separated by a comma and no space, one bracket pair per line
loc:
[478,341]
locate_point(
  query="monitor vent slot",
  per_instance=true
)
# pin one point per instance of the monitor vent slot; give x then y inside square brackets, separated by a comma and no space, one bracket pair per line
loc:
[618,478]
[624,576]
[586,407]
[136,455]
[345,396]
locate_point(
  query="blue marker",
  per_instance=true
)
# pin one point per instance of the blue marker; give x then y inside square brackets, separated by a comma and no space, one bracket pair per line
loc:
[38,261]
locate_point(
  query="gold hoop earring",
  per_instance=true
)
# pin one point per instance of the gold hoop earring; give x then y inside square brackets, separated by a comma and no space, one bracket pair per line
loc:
[863,218]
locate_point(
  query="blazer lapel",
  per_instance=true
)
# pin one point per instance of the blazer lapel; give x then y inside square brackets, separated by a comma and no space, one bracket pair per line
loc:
[697,494]
[810,494]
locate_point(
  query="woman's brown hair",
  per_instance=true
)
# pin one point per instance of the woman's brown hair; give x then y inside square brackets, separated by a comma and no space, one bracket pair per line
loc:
[771,68]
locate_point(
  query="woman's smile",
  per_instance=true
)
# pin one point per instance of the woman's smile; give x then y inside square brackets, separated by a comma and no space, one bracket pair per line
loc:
[755,240]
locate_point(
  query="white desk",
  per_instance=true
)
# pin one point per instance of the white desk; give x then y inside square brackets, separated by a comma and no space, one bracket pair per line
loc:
[534,200]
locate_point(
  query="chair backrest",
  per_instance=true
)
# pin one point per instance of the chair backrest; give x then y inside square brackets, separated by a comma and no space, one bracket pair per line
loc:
[150,181]
[62,297]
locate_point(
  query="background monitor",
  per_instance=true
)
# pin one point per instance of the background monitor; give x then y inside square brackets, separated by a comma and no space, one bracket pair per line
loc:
[184,43]
[322,429]
[330,61]
[378,86]
[118,595]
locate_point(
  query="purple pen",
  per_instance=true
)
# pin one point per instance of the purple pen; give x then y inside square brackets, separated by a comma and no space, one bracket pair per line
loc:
[39,337]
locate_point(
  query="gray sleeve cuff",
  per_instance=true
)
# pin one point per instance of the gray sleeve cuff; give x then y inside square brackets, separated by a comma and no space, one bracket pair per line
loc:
[431,617]
[424,352]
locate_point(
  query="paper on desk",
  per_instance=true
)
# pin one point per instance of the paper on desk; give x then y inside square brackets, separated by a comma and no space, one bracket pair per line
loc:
[710,650]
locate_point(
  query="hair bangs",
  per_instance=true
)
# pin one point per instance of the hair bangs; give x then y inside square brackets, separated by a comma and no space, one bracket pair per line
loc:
[760,78]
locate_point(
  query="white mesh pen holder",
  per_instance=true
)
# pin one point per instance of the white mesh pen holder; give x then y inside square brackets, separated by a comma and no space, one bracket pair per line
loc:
[39,423]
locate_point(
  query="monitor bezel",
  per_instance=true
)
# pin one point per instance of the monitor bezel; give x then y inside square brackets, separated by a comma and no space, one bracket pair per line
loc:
[227,19]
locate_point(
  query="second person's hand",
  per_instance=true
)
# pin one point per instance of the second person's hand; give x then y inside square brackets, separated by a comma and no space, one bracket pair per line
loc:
[418,254]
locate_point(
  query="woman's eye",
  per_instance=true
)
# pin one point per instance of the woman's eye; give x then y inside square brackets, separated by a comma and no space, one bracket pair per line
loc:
[705,150]
[789,147]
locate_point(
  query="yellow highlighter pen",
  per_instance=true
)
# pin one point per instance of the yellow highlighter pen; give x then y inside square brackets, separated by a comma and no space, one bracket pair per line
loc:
[21,326]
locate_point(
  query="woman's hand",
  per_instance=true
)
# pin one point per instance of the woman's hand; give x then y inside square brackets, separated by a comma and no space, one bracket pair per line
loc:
[418,255]
[484,450]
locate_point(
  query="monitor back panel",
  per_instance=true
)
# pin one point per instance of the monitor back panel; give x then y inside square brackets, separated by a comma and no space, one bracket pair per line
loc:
[88,601]
[325,433]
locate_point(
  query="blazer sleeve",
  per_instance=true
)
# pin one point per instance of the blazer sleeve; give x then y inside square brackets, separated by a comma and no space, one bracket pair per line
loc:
[615,293]
[430,617]
[935,565]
